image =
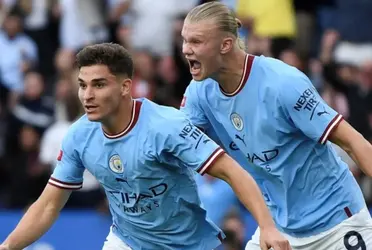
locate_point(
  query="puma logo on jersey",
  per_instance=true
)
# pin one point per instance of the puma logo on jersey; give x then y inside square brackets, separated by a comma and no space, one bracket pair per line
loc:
[322,112]
[240,139]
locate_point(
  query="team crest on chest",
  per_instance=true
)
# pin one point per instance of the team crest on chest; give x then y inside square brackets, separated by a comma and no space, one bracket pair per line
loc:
[116,164]
[237,121]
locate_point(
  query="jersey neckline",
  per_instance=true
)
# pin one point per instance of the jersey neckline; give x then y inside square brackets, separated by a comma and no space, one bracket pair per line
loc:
[134,118]
[248,61]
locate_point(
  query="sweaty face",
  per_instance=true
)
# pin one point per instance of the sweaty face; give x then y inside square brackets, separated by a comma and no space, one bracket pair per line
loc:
[201,47]
[99,92]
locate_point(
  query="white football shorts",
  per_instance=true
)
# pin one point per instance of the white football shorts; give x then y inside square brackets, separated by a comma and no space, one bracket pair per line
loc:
[354,233]
[113,242]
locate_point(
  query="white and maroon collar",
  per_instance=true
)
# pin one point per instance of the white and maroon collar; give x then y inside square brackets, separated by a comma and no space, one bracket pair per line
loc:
[133,120]
[248,61]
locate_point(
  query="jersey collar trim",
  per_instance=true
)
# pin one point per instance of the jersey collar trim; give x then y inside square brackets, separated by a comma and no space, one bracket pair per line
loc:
[247,70]
[135,114]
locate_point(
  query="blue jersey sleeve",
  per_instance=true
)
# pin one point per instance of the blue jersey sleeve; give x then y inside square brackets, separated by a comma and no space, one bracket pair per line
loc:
[190,105]
[306,109]
[68,173]
[180,143]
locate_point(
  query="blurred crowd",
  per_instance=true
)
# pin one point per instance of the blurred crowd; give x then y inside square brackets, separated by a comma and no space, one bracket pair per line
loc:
[329,40]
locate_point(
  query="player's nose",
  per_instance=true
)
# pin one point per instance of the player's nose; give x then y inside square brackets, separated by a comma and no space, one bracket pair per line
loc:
[88,93]
[186,49]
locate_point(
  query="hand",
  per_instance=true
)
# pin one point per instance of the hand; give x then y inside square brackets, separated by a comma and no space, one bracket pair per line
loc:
[271,238]
[329,39]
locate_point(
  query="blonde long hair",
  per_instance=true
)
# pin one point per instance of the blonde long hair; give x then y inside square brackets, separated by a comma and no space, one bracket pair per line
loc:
[224,18]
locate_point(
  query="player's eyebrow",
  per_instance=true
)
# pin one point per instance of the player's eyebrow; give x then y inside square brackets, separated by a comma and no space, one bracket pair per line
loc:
[194,36]
[94,80]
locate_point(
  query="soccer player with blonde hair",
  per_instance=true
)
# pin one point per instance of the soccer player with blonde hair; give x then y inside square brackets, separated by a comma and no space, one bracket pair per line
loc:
[269,118]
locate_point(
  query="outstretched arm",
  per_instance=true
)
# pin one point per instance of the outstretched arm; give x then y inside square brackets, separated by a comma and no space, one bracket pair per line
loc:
[358,148]
[250,195]
[38,218]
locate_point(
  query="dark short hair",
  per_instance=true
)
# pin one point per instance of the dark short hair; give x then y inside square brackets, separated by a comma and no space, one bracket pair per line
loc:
[114,56]
[16,11]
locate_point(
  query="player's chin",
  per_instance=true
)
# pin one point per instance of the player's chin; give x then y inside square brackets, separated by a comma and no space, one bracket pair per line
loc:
[199,77]
[94,117]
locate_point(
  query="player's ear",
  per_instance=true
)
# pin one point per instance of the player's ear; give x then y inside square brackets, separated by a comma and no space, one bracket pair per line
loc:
[126,86]
[226,45]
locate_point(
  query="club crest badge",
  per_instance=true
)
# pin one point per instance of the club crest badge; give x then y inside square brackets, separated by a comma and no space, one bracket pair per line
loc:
[237,121]
[115,164]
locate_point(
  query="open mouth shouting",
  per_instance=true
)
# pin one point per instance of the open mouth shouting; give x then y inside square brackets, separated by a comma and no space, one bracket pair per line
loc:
[195,67]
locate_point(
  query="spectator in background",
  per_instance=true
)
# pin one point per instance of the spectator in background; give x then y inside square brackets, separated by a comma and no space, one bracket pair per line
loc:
[64,63]
[37,24]
[5,6]
[32,109]
[355,83]
[82,22]
[271,24]
[289,56]
[157,17]
[144,83]
[65,95]
[119,19]
[18,55]
[26,175]
[54,134]
[234,230]
[307,25]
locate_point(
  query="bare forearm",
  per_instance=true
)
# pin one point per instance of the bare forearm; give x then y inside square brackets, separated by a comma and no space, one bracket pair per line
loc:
[360,150]
[244,187]
[250,195]
[353,143]
[37,220]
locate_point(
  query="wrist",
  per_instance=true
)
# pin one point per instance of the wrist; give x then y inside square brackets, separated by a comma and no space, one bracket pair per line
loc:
[266,224]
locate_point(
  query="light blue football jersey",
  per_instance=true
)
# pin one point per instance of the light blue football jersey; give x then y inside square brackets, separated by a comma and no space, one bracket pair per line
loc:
[276,125]
[147,172]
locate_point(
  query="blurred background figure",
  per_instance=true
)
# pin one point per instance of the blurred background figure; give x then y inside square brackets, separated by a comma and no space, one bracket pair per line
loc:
[233,227]
[18,55]
[270,23]
[328,40]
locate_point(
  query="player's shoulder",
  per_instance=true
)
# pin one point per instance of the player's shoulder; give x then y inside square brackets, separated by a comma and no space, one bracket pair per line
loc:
[278,75]
[160,117]
[81,128]
[158,114]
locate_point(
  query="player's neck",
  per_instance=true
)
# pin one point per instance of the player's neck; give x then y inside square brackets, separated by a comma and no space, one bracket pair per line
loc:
[230,74]
[120,121]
